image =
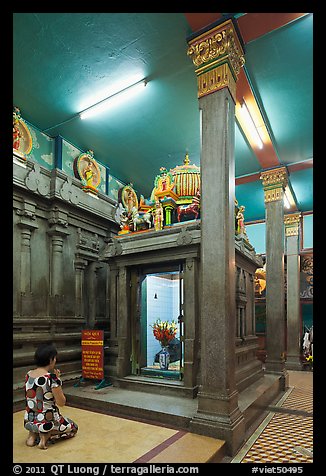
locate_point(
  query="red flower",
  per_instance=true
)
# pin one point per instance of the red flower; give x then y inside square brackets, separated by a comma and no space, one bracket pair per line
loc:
[164,331]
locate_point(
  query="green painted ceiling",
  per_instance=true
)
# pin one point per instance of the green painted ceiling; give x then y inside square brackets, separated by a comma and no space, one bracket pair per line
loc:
[64,62]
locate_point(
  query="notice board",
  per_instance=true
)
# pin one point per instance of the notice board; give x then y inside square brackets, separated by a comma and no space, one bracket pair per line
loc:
[92,354]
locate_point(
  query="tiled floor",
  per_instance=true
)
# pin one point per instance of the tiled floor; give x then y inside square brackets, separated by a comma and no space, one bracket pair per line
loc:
[285,436]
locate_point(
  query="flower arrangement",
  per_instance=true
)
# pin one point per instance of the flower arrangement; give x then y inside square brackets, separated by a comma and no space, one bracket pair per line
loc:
[164,331]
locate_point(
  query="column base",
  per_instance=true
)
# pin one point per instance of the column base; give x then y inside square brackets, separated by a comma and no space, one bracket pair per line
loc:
[230,430]
[220,418]
[278,368]
[293,362]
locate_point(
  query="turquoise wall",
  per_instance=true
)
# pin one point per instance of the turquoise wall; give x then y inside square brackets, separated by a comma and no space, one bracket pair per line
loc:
[57,152]
[308,231]
[43,150]
[256,234]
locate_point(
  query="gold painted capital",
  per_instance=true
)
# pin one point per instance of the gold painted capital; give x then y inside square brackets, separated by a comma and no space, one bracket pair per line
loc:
[218,56]
[292,223]
[274,183]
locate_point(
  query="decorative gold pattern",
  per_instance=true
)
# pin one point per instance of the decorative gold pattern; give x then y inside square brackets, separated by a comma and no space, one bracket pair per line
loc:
[219,57]
[291,223]
[274,183]
[216,79]
[273,195]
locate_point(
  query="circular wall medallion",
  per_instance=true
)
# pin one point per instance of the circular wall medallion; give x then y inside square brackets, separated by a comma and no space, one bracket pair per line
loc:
[22,139]
[86,168]
[129,198]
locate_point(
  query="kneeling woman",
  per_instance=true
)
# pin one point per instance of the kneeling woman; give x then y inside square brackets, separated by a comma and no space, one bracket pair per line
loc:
[43,392]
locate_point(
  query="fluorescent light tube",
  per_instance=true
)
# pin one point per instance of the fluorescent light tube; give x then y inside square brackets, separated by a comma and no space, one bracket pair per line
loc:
[286,201]
[113,100]
[251,125]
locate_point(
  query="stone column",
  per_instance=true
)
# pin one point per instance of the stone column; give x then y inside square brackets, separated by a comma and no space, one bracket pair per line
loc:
[292,223]
[190,325]
[27,225]
[92,294]
[113,294]
[123,332]
[218,56]
[80,265]
[25,260]
[274,183]
[56,270]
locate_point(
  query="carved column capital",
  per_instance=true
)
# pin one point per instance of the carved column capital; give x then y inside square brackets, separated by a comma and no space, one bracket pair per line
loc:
[218,56]
[292,223]
[274,183]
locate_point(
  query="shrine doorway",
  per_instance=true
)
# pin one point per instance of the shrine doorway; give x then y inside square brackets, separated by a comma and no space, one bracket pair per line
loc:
[160,295]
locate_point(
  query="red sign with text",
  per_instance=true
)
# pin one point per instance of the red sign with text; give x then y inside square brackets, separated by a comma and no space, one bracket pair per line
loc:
[92,354]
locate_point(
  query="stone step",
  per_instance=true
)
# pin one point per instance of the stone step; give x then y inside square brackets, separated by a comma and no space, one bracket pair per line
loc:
[136,404]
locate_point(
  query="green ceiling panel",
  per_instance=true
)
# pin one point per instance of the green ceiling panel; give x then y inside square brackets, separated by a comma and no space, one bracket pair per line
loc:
[302,185]
[251,195]
[62,61]
[279,66]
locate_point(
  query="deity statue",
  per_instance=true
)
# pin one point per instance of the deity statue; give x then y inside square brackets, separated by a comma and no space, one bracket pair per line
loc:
[129,198]
[89,174]
[240,230]
[16,136]
[16,132]
[158,215]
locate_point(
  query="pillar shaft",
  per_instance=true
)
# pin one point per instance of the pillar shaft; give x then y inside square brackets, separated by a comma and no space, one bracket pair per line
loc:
[80,265]
[218,56]
[293,291]
[25,261]
[56,266]
[274,182]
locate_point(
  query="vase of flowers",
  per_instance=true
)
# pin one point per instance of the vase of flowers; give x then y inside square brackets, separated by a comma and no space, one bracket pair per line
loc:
[164,332]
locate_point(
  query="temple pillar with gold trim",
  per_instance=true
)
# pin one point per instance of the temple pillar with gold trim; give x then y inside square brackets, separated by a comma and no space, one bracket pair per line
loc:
[218,56]
[274,182]
[292,225]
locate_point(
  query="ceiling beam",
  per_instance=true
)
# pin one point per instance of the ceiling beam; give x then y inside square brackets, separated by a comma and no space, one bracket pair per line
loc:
[307,164]
[254,25]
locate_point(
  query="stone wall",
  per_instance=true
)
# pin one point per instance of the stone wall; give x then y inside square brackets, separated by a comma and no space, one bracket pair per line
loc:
[59,284]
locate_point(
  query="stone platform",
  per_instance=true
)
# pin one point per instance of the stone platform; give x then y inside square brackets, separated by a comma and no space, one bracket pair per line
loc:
[174,411]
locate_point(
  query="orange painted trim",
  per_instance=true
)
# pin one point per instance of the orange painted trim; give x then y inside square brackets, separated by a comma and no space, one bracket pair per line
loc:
[254,25]
[247,179]
[307,164]
[197,21]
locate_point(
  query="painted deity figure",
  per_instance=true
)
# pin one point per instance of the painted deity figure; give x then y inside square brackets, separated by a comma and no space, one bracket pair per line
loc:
[240,221]
[121,217]
[158,215]
[130,199]
[16,135]
[89,174]
[164,181]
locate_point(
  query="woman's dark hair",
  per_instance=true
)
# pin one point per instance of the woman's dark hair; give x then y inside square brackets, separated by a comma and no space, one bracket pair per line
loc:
[44,354]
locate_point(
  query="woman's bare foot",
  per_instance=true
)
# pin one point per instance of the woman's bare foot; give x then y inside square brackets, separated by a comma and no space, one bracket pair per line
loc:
[43,441]
[31,440]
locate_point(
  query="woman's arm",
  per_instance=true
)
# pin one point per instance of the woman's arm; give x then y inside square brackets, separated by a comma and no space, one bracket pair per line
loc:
[59,396]
[57,392]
